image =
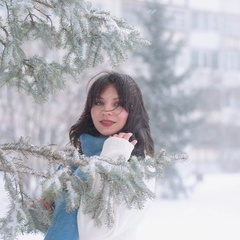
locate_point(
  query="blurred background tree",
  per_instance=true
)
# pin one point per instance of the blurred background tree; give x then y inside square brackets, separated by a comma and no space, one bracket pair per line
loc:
[170,104]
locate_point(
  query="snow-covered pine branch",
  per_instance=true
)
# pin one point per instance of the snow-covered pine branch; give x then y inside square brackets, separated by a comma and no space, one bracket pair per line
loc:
[14,164]
[122,182]
[78,35]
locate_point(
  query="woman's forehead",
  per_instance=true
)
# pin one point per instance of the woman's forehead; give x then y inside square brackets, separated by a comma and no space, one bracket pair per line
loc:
[100,90]
[109,92]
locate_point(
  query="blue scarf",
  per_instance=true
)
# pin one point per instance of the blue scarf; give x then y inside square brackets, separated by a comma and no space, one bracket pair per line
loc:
[64,225]
[91,145]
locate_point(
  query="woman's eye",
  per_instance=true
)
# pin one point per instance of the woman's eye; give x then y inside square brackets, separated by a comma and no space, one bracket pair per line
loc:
[98,103]
[117,105]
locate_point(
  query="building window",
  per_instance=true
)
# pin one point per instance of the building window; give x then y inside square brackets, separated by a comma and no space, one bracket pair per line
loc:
[232,61]
[177,19]
[230,25]
[204,21]
[205,59]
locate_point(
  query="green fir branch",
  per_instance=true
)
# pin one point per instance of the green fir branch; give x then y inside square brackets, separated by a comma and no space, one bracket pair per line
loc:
[122,183]
[81,35]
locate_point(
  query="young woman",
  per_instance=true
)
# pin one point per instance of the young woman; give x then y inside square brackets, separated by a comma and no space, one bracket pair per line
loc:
[114,123]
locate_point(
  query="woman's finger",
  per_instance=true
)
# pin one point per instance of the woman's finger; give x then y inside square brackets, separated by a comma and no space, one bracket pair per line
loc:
[123,135]
[134,142]
[47,205]
[126,136]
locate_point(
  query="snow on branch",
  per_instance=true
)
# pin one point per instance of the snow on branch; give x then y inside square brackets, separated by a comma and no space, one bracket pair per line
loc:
[72,34]
[71,176]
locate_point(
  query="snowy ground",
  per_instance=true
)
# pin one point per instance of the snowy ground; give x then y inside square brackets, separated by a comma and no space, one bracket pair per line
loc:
[211,213]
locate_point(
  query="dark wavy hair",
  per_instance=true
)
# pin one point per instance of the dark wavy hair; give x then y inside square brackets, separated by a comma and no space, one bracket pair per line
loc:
[131,99]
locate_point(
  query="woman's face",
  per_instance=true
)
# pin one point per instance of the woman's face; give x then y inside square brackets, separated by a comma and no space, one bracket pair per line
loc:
[108,116]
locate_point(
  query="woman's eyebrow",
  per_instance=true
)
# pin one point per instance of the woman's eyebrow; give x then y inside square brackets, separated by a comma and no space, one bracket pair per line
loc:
[117,98]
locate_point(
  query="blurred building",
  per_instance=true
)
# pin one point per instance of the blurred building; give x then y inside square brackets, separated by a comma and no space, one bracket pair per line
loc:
[212,35]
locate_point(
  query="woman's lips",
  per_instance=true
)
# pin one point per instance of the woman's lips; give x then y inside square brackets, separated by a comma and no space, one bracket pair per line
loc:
[107,123]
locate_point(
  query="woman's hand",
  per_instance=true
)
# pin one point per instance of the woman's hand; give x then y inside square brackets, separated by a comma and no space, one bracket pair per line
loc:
[45,204]
[126,136]
[117,145]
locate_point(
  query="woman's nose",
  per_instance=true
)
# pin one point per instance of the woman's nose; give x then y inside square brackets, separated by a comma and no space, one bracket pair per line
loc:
[107,111]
